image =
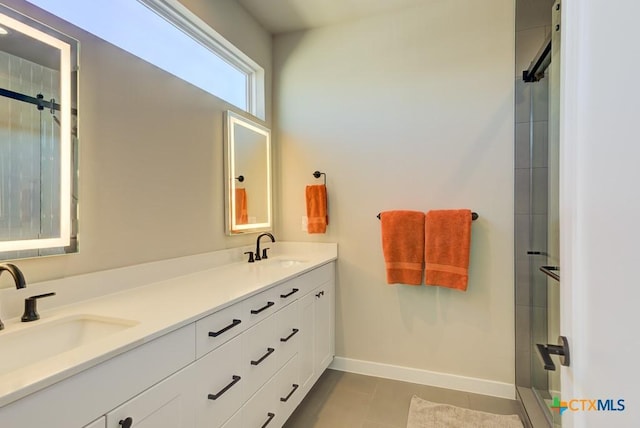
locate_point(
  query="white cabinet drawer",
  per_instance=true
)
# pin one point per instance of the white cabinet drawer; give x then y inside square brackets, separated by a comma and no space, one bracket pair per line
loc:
[310,280]
[287,333]
[217,328]
[259,355]
[289,291]
[234,422]
[260,306]
[287,390]
[278,397]
[79,399]
[100,423]
[261,411]
[168,404]
[219,384]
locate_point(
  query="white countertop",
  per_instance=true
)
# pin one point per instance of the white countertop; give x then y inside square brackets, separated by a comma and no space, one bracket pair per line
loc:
[158,308]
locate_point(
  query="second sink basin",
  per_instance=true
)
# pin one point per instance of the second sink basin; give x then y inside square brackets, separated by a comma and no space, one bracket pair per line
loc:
[36,343]
[285,262]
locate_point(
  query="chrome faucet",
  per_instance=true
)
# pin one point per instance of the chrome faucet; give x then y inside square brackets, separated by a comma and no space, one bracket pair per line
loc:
[18,278]
[17,275]
[264,251]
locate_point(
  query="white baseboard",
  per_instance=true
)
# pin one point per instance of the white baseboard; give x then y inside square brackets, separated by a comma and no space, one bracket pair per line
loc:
[426,377]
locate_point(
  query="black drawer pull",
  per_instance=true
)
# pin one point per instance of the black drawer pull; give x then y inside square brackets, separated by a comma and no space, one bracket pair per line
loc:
[267,306]
[320,294]
[256,362]
[271,416]
[291,293]
[293,333]
[285,399]
[227,328]
[126,423]
[235,380]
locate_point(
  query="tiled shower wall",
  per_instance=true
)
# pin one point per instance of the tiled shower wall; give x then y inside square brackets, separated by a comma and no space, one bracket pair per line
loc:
[533,24]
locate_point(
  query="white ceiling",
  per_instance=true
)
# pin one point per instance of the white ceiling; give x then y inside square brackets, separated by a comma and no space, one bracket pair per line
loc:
[280,16]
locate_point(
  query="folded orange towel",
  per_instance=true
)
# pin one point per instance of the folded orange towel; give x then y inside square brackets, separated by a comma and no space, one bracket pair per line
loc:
[317,218]
[242,216]
[403,246]
[447,247]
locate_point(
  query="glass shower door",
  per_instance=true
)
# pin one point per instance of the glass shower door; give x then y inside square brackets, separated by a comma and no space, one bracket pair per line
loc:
[544,228]
[538,238]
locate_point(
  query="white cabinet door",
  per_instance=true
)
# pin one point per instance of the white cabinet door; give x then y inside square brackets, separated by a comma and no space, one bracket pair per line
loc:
[324,326]
[100,423]
[306,341]
[316,334]
[168,404]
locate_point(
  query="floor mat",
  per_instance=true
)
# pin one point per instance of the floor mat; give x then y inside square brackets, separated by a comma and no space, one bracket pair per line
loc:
[425,414]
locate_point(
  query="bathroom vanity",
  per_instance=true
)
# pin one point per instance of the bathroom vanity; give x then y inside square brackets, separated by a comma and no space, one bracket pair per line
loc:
[236,345]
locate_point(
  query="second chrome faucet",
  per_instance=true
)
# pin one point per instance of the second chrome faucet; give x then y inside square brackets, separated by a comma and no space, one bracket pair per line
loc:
[260,255]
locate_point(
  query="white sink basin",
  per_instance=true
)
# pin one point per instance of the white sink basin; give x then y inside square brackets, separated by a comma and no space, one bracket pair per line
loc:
[285,263]
[34,343]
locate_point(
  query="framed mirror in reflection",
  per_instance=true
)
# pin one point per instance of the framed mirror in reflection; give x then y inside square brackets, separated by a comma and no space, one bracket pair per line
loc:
[38,139]
[247,174]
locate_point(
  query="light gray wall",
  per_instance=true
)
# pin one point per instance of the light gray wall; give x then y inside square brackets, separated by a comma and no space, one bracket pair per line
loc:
[599,207]
[411,110]
[151,158]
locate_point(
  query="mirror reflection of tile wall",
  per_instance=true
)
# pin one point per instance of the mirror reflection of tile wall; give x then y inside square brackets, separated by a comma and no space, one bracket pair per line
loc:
[29,141]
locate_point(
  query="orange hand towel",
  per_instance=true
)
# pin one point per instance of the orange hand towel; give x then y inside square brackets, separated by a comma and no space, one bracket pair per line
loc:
[403,246]
[317,218]
[447,247]
[242,216]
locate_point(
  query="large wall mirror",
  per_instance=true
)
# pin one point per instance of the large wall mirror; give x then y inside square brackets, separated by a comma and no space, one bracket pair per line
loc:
[248,175]
[38,139]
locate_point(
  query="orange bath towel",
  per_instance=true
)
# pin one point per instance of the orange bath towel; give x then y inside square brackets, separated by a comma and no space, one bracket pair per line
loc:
[447,247]
[242,214]
[317,217]
[403,246]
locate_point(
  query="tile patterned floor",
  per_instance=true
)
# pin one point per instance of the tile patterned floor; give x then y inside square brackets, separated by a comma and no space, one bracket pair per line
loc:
[348,400]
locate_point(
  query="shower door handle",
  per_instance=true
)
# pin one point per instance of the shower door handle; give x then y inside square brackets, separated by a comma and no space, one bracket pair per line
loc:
[562,349]
[536,253]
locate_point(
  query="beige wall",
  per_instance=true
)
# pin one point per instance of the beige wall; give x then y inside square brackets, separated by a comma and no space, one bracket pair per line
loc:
[412,110]
[151,158]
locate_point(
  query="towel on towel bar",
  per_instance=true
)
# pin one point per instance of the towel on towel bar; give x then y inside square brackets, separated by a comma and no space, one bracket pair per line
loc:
[403,246]
[317,217]
[447,247]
